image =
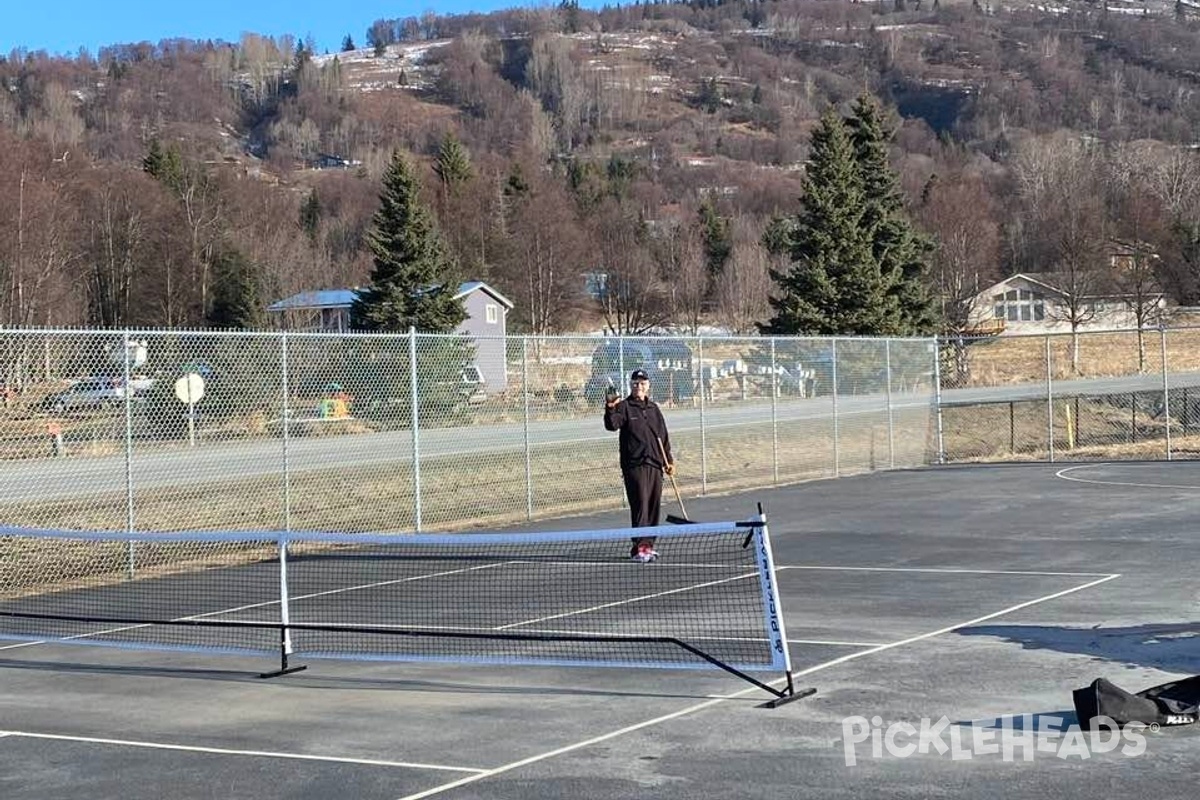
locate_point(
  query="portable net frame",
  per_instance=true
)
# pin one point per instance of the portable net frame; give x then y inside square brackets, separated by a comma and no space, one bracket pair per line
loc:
[568,598]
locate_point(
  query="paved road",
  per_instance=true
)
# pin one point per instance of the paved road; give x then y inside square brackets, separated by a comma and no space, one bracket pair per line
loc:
[53,478]
[1084,387]
[50,478]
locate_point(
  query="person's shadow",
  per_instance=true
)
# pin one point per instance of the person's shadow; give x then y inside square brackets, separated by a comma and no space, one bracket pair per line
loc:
[1171,647]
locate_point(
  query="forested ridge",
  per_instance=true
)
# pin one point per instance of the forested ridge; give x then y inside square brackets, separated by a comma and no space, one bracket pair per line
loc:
[636,168]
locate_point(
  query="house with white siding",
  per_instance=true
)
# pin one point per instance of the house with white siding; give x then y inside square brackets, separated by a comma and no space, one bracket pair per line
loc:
[328,311]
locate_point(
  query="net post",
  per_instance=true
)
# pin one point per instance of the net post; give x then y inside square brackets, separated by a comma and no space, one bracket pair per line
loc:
[285,632]
[773,612]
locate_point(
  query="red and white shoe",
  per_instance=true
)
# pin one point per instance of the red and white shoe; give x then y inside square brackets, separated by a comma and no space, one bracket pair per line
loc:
[645,554]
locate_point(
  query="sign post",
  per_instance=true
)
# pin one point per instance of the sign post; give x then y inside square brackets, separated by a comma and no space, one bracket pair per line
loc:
[190,390]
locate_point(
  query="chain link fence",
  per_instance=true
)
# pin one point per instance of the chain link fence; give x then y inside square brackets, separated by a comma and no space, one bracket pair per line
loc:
[186,430]
[1090,396]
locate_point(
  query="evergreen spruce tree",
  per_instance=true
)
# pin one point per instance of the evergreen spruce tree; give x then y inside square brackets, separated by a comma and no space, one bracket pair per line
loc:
[236,299]
[310,215]
[902,252]
[570,15]
[152,164]
[515,186]
[412,283]
[164,165]
[348,44]
[718,242]
[302,57]
[709,96]
[833,284]
[777,237]
[453,165]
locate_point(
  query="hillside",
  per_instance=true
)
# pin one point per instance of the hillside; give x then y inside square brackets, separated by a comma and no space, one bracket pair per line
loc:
[679,130]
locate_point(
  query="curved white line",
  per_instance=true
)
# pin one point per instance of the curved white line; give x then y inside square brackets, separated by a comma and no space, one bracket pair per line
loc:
[723,698]
[1062,473]
[225,751]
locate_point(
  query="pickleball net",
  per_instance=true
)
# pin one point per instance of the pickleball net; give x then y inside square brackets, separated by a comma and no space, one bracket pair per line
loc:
[564,598]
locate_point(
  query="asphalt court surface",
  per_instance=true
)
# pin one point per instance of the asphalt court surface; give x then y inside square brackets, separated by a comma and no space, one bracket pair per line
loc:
[968,592]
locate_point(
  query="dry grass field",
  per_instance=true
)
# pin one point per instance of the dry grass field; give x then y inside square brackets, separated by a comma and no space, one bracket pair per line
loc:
[1022,359]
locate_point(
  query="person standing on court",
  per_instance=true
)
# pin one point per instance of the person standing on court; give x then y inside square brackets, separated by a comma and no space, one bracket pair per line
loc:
[645,449]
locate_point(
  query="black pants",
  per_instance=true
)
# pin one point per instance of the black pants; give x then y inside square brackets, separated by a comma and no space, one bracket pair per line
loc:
[643,488]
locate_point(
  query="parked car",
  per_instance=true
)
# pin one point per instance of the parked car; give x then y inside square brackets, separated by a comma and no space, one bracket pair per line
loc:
[668,362]
[93,393]
[86,394]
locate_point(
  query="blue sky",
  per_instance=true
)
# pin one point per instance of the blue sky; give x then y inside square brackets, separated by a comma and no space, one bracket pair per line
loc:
[63,26]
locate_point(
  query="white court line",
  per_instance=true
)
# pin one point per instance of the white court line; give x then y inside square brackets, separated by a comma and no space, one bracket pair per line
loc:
[949,571]
[932,570]
[1062,473]
[716,701]
[370,762]
[607,635]
[627,600]
[830,642]
[377,584]
[343,589]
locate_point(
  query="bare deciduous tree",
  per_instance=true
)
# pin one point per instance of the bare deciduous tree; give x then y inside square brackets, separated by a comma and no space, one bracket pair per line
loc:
[541,265]
[963,216]
[632,297]
[1063,207]
[679,253]
[743,289]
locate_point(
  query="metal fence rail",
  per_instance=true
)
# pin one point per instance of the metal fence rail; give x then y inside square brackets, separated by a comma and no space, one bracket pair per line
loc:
[1107,395]
[200,430]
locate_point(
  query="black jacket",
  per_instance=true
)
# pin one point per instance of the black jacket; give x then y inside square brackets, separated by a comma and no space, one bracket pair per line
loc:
[641,424]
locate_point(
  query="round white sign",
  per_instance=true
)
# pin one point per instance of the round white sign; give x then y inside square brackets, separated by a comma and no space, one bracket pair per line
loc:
[190,388]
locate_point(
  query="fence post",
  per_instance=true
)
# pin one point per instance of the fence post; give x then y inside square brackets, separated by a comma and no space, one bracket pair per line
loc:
[621,364]
[1012,428]
[774,415]
[415,424]
[1049,401]
[887,353]
[528,454]
[1133,418]
[1162,333]
[837,456]
[287,424]
[128,391]
[704,384]
[937,398]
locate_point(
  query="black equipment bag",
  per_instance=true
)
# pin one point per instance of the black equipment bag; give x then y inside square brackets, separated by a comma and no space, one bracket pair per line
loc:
[1174,703]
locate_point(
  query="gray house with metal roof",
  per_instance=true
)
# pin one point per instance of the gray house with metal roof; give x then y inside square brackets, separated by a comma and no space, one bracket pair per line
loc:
[328,311]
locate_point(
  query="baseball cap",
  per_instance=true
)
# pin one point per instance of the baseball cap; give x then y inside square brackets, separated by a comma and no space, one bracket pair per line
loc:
[639,375]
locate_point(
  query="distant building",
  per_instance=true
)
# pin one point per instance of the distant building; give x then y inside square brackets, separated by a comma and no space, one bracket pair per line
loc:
[327,161]
[1034,302]
[1038,302]
[328,311]
[321,311]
